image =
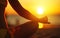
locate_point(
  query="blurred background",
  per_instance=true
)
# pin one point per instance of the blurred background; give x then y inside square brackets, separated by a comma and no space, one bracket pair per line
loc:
[50,8]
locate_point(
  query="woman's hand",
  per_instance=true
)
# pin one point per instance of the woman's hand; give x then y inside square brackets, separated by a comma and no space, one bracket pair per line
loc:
[44,20]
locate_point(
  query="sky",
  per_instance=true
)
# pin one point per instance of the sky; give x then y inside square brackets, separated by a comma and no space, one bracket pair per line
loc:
[50,7]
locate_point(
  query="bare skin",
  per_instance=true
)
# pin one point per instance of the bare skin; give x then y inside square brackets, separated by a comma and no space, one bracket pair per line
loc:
[24,13]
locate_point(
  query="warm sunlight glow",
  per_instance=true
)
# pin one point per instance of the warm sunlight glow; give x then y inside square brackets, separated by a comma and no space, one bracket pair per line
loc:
[40,10]
[50,7]
[40,25]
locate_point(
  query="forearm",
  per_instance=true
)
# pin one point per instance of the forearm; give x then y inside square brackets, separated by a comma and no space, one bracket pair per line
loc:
[21,11]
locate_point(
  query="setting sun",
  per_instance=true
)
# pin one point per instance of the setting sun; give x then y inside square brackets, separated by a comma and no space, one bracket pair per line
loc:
[51,7]
[40,10]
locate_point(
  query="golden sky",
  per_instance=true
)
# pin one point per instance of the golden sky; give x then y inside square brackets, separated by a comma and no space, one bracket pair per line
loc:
[50,7]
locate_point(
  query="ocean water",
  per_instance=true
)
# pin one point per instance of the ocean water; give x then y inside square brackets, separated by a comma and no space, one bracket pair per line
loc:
[54,19]
[14,19]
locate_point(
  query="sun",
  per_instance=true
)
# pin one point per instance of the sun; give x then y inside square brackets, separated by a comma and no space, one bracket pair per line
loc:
[40,10]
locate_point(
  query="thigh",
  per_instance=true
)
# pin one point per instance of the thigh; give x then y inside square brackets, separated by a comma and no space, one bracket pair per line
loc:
[26,30]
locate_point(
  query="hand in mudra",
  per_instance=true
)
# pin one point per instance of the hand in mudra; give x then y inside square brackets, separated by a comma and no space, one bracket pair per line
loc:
[44,20]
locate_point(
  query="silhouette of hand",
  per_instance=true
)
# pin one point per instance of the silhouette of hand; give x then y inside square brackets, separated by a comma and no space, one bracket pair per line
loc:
[44,20]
